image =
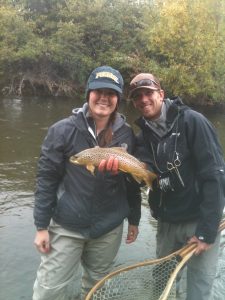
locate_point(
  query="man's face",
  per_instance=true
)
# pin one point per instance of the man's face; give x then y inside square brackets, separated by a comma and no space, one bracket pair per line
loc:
[148,102]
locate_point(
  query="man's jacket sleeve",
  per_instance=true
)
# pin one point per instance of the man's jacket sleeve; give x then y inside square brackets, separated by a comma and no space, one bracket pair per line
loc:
[134,200]
[143,153]
[208,160]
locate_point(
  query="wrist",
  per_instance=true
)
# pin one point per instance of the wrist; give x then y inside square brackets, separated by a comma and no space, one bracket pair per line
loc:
[41,228]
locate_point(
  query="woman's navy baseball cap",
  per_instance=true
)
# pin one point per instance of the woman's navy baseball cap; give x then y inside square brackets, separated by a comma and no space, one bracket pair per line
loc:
[105,77]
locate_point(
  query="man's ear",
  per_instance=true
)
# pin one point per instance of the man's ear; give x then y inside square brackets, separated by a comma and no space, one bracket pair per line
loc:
[162,94]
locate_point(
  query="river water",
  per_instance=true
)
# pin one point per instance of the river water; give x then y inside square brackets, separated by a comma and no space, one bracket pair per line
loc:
[23,125]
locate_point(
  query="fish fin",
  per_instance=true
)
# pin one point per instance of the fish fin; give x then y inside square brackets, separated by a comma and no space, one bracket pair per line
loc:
[119,149]
[90,168]
[137,178]
[144,165]
[149,178]
[122,169]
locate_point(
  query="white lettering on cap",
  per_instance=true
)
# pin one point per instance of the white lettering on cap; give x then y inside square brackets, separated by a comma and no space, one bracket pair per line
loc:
[108,75]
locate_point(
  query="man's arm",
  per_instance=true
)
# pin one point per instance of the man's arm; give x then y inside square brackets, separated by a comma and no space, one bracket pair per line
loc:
[208,160]
[134,200]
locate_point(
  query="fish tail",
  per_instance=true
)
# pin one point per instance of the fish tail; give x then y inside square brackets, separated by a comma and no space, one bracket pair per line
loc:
[149,178]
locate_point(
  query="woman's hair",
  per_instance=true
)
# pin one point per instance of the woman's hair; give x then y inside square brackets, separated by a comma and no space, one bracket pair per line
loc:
[105,136]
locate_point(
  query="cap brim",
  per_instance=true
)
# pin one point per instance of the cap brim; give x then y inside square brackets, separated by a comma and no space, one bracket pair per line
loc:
[143,87]
[104,85]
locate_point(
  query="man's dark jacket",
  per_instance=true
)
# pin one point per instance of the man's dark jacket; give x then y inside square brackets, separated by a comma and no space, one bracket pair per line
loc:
[191,138]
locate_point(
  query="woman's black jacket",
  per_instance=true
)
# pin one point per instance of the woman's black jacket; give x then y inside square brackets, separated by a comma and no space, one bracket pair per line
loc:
[70,194]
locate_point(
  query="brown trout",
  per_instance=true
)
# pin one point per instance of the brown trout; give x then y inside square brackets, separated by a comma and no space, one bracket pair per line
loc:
[127,163]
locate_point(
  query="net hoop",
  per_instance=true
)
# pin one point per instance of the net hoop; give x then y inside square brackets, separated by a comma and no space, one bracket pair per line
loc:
[184,253]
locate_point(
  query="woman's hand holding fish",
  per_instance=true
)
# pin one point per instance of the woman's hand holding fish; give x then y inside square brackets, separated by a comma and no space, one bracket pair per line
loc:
[110,165]
[132,234]
[42,241]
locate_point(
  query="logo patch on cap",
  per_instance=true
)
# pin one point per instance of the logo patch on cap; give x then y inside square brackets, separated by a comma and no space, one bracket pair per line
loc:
[108,75]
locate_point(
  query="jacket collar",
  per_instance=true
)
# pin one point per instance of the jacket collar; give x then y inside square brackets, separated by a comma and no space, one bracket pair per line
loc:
[80,119]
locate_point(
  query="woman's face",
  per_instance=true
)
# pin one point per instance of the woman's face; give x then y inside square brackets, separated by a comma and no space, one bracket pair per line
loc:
[102,102]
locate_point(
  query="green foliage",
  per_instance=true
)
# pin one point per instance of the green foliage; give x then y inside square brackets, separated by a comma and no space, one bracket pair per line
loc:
[106,32]
[61,41]
[14,34]
[18,44]
[187,41]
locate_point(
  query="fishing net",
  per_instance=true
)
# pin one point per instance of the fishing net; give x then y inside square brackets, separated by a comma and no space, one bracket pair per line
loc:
[149,280]
[143,282]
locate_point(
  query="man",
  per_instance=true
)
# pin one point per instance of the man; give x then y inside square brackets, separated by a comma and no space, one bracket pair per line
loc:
[181,146]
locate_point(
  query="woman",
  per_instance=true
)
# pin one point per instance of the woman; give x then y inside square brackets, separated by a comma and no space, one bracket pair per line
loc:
[78,216]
